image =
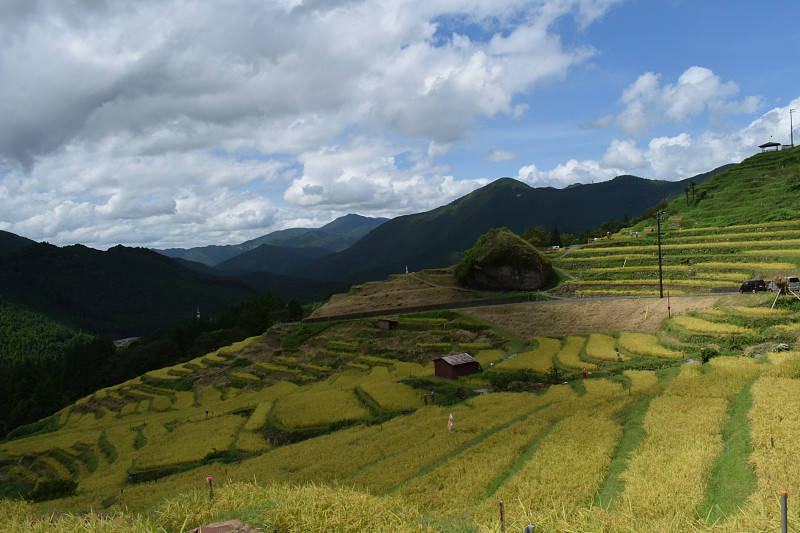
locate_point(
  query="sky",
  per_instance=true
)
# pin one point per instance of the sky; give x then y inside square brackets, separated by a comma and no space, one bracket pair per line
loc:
[177,123]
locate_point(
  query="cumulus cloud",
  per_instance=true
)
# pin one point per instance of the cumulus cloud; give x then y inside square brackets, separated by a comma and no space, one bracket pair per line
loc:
[648,103]
[159,120]
[681,156]
[363,175]
[185,69]
[573,171]
[669,157]
[623,155]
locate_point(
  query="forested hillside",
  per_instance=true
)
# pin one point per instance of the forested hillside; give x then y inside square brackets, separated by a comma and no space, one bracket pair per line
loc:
[45,365]
[124,292]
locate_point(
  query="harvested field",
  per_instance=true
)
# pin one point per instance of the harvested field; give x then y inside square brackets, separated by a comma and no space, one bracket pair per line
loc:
[400,291]
[584,317]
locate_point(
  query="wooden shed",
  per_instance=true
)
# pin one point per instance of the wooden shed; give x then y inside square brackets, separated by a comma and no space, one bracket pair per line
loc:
[387,324]
[453,366]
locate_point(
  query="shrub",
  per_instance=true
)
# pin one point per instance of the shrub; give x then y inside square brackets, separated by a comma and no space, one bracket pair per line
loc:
[707,353]
[50,489]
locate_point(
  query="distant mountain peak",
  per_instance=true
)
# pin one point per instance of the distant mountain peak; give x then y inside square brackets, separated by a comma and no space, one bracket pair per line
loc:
[10,242]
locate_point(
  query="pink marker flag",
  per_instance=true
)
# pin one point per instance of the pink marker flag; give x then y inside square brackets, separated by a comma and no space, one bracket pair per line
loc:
[450,422]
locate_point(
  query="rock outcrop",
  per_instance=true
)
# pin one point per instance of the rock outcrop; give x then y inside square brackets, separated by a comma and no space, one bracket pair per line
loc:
[501,260]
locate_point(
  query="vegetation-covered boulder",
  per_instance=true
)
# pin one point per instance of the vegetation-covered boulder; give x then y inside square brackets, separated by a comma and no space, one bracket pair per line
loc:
[500,260]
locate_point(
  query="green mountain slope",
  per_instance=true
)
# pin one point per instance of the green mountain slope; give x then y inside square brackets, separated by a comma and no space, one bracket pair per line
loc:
[437,238]
[762,188]
[126,292]
[43,365]
[268,258]
[11,243]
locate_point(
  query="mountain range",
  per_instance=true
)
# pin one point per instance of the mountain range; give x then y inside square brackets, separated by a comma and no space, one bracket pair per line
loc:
[377,248]
[128,291]
[305,242]
[438,238]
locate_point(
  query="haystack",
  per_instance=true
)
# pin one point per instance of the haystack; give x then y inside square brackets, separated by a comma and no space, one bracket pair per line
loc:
[781,284]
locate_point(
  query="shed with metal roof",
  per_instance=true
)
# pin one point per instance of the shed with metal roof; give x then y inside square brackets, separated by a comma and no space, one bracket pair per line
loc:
[453,366]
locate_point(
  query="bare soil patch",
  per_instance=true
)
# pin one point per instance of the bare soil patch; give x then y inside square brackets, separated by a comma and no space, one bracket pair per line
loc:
[401,291]
[582,317]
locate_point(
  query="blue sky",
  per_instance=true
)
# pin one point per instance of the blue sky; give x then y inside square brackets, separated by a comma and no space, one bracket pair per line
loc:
[170,124]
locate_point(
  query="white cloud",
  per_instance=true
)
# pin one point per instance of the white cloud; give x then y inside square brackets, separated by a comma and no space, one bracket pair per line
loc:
[192,123]
[683,156]
[623,155]
[670,157]
[363,175]
[88,196]
[648,103]
[499,155]
[602,122]
[573,171]
[185,69]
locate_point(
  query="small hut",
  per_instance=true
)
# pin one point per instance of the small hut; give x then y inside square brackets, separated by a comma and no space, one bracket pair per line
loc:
[387,324]
[772,144]
[454,366]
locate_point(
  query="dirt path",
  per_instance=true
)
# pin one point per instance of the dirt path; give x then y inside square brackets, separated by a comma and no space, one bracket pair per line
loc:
[565,273]
[576,317]
[228,526]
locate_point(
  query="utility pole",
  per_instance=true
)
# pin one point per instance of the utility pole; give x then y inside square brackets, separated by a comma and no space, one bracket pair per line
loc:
[660,276]
[791,127]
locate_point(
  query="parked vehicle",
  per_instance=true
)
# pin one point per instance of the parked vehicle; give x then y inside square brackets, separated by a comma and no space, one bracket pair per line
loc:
[754,285]
[771,286]
[794,283]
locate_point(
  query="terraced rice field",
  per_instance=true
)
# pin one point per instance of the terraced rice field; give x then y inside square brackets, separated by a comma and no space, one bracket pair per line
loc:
[687,429]
[694,260]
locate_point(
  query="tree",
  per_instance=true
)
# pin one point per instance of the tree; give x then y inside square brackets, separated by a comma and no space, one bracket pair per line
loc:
[568,239]
[692,186]
[295,310]
[536,235]
[609,226]
[686,190]
[555,237]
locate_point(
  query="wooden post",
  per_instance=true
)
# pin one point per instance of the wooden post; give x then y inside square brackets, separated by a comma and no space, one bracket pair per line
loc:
[783,511]
[776,299]
[502,518]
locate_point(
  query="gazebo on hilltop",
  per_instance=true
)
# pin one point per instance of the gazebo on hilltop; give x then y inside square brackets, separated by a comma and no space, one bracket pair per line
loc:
[772,144]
